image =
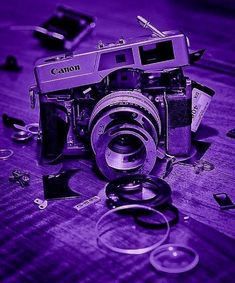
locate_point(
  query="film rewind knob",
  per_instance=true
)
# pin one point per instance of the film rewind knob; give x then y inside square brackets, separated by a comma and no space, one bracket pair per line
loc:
[146,24]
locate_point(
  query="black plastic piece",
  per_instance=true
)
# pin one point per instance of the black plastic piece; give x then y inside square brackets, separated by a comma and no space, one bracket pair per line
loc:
[224,201]
[11,64]
[9,121]
[196,56]
[54,130]
[56,186]
[231,134]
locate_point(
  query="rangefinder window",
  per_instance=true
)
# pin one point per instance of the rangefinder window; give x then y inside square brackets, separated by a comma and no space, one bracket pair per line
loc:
[116,59]
[158,52]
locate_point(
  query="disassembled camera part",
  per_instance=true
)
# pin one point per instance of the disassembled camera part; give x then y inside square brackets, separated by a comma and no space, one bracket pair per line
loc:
[42,204]
[224,201]
[195,56]
[21,136]
[231,134]
[202,165]
[174,258]
[201,99]
[11,64]
[169,167]
[186,218]
[65,29]
[32,128]
[9,121]
[144,23]
[56,186]
[20,177]
[118,230]
[5,153]
[130,101]
[138,189]
[199,166]
[86,203]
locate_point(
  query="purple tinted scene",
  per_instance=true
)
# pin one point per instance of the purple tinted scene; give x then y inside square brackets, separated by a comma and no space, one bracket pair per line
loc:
[117,141]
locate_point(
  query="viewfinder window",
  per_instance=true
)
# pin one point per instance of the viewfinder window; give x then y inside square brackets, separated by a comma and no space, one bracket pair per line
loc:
[157,52]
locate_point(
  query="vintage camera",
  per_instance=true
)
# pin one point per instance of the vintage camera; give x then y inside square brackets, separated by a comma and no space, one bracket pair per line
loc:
[128,102]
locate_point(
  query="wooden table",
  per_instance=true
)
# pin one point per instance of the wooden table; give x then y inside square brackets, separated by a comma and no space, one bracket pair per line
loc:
[58,244]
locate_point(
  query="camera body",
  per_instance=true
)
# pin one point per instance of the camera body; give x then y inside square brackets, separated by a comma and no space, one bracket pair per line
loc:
[128,102]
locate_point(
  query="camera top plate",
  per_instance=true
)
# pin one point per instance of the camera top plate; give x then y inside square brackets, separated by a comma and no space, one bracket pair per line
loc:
[148,53]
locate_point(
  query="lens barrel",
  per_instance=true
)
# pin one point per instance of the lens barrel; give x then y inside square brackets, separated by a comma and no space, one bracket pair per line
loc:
[125,128]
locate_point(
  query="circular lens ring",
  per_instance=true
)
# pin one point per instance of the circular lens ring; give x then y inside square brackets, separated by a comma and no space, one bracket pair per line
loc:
[103,123]
[104,141]
[163,248]
[5,153]
[143,221]
[124,98]
[132,251]
[160,187]
[123,156]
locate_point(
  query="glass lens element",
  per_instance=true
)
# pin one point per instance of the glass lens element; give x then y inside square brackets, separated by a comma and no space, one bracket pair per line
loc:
[118,230]
[174,258]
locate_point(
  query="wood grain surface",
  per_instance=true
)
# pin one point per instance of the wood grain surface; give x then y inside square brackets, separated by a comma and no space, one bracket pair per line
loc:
[58,244]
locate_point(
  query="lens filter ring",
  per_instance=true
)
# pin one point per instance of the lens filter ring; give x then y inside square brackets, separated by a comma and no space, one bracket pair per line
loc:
[138,189]
[118,231]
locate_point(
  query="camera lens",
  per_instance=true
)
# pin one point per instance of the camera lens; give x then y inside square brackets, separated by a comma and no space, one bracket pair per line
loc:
[125,144]
[124,127]
[125,152]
